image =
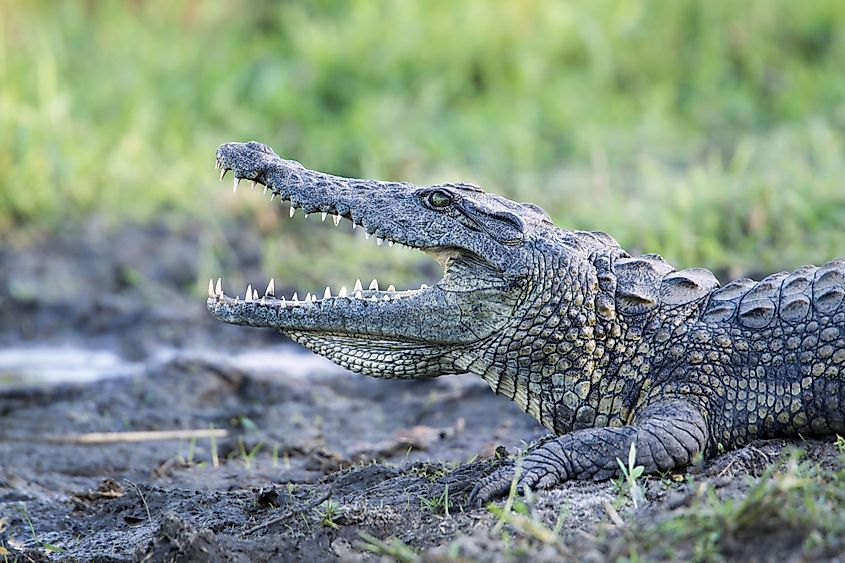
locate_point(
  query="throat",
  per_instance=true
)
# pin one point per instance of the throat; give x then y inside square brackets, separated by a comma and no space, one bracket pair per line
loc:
[382,358]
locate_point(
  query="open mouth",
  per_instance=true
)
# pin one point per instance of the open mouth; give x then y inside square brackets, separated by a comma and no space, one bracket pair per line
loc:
[334,199]
[341,296]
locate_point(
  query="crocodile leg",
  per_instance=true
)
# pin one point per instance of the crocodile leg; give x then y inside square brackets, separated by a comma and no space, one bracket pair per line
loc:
[667,435]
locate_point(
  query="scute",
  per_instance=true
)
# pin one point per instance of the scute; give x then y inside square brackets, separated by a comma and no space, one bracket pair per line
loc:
[798,281]
[828,301]
[685,286]
[718,312]
[638,282]
[830,275]
[829,286]
[756,313]
[794,307]
[723,301]
[734,290]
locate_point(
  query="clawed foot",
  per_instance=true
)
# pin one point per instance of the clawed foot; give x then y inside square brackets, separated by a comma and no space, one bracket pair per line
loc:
[528,474]
[495,485]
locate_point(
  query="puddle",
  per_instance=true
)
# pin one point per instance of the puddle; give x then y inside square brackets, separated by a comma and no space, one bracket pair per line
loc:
[44,365]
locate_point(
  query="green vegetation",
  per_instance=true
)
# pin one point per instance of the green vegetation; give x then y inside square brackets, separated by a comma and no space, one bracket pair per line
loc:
[47,547]
[795,506]
[329,513]
[439,504]
[630,473]
[794,503]
[711,132]
[392,547]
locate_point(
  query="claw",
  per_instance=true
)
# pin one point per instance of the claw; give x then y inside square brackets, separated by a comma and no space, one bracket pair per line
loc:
[495,485]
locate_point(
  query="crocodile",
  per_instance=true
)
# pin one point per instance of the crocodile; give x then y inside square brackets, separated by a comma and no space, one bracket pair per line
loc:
[605,349]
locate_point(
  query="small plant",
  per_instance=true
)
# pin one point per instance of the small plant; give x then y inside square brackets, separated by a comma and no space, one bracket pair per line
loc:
[517,514]
[438,505]
[840,445]
[329,514]
[48,547]
[247,424]
[391,547]
[631,472]
[248,457]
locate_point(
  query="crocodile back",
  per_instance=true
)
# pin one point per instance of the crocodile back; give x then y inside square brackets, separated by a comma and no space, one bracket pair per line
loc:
[809,293]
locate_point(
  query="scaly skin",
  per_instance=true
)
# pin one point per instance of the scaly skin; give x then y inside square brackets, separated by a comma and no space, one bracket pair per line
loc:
[604,349]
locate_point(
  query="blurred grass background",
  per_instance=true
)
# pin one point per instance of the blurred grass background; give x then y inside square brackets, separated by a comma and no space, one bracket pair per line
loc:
[710,132]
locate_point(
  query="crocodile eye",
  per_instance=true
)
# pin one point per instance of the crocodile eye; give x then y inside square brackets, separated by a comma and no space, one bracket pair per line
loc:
[439,200]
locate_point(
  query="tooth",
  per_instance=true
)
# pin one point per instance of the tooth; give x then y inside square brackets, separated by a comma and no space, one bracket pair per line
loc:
[219,287]
[216,164]
[235,182]
[354,225]
[373,298]
[358,295]
[358,286]
[306,215]
[223,173]
[342,292]
[284,303]
[368,235]
[424,286]
[294,298]
[265,190]
[308,297]
[248,296]
[387,298]
[374,284]
[211,288]
[390,243]
[379,241]
[328,293]
[292,210]
[391,287]
[272,196]
[252,184]
[313,299]
[255,295]
[336,219]
[262,301]
[323,216]
[271,288]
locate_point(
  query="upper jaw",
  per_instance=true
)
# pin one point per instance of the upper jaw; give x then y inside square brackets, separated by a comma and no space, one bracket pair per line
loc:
[389,211]
[316,192]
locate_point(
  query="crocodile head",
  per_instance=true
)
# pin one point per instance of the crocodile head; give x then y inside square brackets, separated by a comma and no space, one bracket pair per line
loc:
[486,244]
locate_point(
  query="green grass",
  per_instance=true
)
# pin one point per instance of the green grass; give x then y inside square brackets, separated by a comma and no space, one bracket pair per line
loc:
[713,133]
[798,503]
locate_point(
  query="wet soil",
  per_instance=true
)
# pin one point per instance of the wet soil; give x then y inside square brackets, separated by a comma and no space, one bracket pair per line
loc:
[315,464]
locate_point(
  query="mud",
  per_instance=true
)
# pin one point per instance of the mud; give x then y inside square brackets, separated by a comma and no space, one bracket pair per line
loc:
[316,463]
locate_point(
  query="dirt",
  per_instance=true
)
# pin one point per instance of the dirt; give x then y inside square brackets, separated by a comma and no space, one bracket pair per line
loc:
[316,463]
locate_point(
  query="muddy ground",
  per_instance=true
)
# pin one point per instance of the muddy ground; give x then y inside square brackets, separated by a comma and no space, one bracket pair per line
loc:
[316,463]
